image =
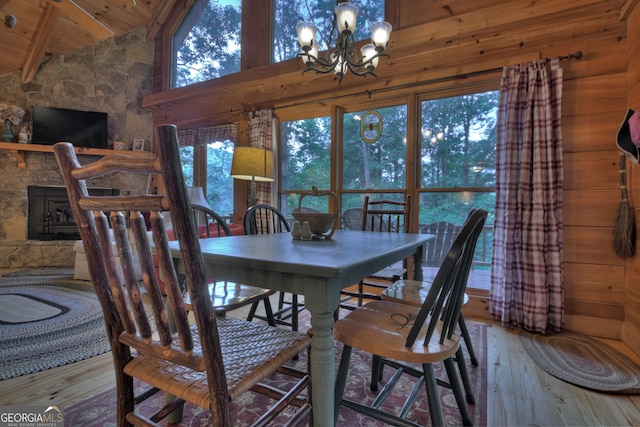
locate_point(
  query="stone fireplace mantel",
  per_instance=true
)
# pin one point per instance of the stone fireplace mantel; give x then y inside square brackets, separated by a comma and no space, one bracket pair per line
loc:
[17,150]
[41,169]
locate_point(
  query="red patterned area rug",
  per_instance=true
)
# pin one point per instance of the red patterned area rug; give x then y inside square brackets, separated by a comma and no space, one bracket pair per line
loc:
[99,411]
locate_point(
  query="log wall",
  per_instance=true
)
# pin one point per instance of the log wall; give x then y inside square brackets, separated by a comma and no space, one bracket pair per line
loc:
[631,325]
[435,41]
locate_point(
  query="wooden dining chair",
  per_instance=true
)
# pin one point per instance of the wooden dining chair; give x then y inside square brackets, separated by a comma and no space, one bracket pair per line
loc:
[414,292]
[209,362]
[352,219]
[226,296]
[444,233]
[412,338]
[386,216]
[266,219]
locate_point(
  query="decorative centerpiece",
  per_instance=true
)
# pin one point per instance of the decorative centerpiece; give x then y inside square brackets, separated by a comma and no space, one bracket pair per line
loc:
[10,115]
[321,225]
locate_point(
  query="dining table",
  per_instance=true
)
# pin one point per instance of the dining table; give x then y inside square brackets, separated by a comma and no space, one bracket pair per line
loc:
[318,269]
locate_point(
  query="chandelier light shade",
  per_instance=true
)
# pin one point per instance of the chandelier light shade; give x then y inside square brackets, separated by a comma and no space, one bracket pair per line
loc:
[252,164]
[343,57]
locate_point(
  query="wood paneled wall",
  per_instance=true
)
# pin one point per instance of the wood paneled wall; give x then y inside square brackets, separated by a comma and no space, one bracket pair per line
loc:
[437,41]
[631,325]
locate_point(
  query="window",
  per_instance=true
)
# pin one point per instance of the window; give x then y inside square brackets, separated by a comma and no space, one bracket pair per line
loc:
[306,161]
[287,13]
[457,167]
[215,169]
[374,155]
[454,162]
[207,43]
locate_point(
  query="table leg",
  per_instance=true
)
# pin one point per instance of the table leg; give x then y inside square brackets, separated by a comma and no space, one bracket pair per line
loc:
[322,353]
[417,263]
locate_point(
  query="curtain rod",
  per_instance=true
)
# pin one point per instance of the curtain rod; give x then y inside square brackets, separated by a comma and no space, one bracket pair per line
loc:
[576,55]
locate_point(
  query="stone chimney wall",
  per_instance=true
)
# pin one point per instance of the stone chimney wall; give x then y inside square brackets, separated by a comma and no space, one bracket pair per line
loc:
[112,76]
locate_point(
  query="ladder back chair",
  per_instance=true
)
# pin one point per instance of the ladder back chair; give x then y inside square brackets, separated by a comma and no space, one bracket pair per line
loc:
[399,334]
[266,219]
[209,362]
[389,216]
[226,296]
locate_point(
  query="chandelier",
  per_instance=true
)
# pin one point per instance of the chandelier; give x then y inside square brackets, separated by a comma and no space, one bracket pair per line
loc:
[344,56]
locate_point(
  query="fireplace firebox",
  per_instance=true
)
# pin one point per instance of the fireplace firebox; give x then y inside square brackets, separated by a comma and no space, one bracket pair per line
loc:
[49,213]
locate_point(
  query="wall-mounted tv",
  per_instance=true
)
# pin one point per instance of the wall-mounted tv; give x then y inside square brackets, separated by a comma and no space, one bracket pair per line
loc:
[81,128]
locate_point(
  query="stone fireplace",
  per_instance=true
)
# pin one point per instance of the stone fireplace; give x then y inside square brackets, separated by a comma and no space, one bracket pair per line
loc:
[112,76]
[50,242]
[49,215]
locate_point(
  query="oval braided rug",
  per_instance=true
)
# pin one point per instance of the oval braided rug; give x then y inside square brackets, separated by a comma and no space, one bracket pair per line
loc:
[71,326]
[583,361]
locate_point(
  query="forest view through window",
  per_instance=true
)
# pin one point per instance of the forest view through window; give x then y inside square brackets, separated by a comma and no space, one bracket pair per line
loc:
[219,184]
[207,43]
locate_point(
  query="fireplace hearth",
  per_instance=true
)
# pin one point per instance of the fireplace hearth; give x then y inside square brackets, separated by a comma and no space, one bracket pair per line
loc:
[49,213]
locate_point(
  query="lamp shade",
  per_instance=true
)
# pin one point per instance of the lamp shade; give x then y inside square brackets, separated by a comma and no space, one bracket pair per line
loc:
[253,164]
[196,196]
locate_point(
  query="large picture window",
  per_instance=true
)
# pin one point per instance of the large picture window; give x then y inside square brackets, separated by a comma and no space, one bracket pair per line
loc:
[207,43]
[457,168]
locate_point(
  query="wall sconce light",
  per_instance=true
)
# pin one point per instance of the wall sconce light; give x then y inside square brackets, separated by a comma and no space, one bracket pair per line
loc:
[252,164]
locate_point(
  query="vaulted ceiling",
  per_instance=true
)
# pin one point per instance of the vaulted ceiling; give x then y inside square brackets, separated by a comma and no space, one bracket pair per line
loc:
[52,27]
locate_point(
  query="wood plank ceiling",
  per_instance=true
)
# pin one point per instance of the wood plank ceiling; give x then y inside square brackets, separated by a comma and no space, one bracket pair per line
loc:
[52,27]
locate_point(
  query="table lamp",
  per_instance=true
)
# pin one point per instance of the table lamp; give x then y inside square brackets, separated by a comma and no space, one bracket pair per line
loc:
[252,164]
[196,197]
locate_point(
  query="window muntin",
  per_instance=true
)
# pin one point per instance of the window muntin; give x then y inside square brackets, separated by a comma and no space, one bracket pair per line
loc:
[287,13]
[207,43]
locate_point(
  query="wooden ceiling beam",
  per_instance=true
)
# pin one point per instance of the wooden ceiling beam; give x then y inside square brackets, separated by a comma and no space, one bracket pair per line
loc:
[83,18]
[165,10]
[45,29]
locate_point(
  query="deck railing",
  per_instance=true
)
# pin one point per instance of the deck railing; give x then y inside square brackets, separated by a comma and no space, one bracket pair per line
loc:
[482,257]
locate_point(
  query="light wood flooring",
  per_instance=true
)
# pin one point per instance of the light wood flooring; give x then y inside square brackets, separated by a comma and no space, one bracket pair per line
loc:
[519,393]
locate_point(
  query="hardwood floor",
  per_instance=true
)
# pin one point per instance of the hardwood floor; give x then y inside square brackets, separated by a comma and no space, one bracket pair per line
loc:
[519,393]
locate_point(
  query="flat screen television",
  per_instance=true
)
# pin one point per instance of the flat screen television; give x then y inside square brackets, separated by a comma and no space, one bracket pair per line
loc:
[81,128]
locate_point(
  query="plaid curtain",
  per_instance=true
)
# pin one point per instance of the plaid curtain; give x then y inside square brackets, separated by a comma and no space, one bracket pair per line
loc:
[260,134]
[527,288]
[207,134]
